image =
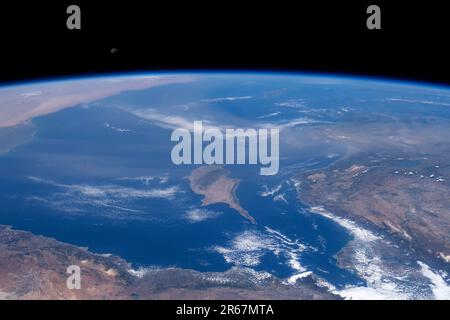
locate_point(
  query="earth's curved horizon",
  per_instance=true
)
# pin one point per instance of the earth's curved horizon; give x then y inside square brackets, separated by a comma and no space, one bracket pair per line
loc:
[360,207]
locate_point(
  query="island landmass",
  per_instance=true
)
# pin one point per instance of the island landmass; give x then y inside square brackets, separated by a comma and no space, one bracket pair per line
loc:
[213,183]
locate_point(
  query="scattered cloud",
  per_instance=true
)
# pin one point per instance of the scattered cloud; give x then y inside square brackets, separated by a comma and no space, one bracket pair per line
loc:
[359,233]
[280,197]
[428,102]
[369,256]
[275,192]
[199,215]
[440,288]
[270,192]
[273,114]
[147,179]
[31,94]
[247,248]
[169,121]
[107,125]
[293,103]
[227,99]
[109,200]
[172,122]
[112,191]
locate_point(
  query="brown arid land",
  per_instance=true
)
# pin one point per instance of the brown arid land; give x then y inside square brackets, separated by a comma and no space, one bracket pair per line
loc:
[411,203]
[24,102]
[213,183]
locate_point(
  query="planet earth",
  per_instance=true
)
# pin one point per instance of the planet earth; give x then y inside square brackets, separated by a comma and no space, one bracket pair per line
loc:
[359,208]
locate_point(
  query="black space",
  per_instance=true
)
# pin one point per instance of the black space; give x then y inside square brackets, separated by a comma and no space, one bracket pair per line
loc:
[319,36]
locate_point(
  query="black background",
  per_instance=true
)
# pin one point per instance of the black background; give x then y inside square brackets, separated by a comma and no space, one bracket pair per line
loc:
[319,36]
[299,310]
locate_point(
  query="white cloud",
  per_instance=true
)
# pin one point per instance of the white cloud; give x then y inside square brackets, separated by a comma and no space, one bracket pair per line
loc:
[280,197]
[293,103]
[428,102]
[270,192]
[172,122]
[31,94]
[147,179]
[273,114]
[115,191]
[107,125]
[368,293]
[369,257]
[293,279]
[359,233]
[109,200]
[286,124]
[198,215]
[247,248]
[440,288]
[142,271]
[227,99]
